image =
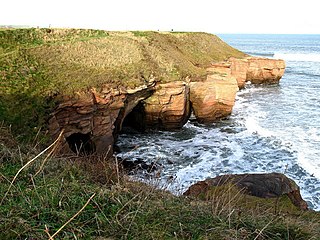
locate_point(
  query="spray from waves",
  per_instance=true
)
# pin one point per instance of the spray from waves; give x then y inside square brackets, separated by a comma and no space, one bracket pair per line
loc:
[298,57]
[245,143]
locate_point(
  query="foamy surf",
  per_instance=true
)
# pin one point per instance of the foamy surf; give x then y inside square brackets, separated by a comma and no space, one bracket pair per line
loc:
[272,128]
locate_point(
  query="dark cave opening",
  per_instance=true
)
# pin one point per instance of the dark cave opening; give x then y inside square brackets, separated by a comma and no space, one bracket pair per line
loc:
[135,120]
[81,144]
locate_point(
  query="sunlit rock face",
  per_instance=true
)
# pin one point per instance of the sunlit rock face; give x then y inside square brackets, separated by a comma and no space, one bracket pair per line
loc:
[263,70]
[257,70]
[214,97]
[168,107]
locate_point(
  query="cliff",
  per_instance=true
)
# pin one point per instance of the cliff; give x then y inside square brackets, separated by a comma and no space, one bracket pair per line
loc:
[89,83]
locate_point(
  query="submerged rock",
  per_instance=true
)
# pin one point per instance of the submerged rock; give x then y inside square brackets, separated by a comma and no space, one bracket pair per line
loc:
[138,164]
[268,185]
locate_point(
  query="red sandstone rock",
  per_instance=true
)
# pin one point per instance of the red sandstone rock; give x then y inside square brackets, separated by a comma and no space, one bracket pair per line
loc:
[100,115]
[168,107]
[239,69]
[269,185]
[95,120]
[257,70]
[263,70]
[214,98]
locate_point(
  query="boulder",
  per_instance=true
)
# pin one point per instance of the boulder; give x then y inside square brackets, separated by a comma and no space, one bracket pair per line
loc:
[268,185]
[214,97]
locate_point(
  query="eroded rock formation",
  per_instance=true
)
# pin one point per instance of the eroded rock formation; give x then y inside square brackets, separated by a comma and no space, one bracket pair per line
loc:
[92,121]
[263,70]
[214,97]
[257,70]
[269,185]
[169,106]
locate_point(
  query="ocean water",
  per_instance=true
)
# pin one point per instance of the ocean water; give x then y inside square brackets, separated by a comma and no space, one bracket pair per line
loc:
[273,128]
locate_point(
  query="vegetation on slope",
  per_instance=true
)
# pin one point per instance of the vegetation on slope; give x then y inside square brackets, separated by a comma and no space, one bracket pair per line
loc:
[39,65]
[48,197]
[43,203]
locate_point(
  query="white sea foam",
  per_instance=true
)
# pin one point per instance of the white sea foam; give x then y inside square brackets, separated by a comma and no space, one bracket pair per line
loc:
[253,127]
[300,57]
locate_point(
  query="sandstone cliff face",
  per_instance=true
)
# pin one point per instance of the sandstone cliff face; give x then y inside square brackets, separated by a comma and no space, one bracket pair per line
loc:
[169,106]
[214,98]
[239,69]
[263,70]
[257,70]
[90,123]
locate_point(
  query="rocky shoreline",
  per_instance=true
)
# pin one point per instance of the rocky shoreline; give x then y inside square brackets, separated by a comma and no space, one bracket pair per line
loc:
[92,121]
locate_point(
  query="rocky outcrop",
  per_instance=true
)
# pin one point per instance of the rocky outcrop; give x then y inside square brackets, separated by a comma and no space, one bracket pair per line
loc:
[257,70]
[168,107]
[239,69]
[90,122]
[263,70]
[269,185]
[214,98]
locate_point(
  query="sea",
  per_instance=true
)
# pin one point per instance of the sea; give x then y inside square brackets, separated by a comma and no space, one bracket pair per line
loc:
[273,128]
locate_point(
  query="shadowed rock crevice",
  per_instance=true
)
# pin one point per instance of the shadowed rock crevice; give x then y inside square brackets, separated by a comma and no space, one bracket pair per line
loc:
[135,120]
[81,144]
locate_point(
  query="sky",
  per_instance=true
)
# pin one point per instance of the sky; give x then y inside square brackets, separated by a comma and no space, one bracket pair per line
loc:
[222,16]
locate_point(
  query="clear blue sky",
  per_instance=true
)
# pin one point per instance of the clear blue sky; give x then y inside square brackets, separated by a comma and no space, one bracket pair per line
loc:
[222,16]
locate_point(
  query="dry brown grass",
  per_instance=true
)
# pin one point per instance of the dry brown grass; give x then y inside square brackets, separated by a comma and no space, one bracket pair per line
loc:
[74,59]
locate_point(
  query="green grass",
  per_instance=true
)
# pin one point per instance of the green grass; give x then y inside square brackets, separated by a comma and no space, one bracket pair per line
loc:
[40,66]
[122,209]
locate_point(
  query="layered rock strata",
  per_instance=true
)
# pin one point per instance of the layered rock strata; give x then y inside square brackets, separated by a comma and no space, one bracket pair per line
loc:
[257,70]
[269,185]
[214,98]
[263,70]
[92,121]
[169,106]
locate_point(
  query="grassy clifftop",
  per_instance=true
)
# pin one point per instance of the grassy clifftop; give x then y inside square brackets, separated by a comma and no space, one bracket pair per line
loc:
[75,59]
[37,65]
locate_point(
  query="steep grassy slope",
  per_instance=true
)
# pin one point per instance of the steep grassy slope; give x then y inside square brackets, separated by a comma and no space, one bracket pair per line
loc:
[39,65]
[40,204]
